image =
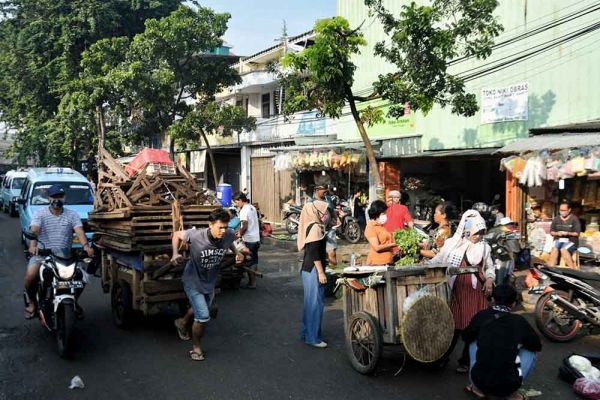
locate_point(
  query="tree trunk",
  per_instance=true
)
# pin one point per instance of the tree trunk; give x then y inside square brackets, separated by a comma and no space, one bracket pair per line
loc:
[363,134]
[211,156]
[100,126]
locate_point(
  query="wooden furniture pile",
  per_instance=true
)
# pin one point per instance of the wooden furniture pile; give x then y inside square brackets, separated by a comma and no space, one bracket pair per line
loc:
[141,212]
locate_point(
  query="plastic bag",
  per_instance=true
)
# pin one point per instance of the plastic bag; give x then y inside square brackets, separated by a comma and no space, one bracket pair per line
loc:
[588,388]
[410,300]
[580,363]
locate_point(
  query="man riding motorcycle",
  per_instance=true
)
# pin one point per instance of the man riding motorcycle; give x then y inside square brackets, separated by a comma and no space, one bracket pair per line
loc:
[54,228]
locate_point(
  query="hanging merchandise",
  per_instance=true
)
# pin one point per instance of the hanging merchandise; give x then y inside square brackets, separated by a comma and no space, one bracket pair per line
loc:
[519,167]
[534,173]
[578,166]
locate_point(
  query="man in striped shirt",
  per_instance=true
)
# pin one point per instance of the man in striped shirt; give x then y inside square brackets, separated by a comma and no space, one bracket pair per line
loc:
[54,228]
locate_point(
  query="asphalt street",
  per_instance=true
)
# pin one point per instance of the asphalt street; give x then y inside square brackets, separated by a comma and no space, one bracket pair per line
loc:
[253,349]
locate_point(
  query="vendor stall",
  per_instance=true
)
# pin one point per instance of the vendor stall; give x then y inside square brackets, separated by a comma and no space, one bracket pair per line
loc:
[554,168]
[343,169]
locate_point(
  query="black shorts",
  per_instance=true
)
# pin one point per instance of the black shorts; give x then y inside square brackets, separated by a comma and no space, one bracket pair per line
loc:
[253,247]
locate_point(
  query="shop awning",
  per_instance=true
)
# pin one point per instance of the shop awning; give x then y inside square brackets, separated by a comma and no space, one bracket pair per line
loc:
[552,142]
[453,153]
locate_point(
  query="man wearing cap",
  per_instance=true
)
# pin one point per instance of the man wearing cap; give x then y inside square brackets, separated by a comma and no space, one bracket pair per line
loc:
[54,228]
[398,215]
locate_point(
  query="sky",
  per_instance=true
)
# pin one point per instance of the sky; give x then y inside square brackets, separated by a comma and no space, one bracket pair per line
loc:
[256,24]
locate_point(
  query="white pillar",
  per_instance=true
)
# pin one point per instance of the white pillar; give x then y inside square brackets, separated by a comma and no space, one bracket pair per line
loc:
[245,172]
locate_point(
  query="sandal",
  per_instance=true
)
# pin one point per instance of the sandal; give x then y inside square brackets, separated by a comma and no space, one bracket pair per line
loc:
[30,314]
[195,356]
[472,390]
[182,332]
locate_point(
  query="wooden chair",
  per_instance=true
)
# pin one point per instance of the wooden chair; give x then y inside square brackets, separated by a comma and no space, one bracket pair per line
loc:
[562,263]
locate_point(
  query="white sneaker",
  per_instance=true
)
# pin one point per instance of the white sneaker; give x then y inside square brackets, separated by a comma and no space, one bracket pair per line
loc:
[320,345]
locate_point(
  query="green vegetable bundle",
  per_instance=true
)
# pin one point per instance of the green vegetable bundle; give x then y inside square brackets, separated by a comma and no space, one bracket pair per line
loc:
[408,242]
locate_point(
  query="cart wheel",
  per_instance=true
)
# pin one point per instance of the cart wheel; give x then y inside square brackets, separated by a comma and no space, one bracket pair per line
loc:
[121,303]
[363,342]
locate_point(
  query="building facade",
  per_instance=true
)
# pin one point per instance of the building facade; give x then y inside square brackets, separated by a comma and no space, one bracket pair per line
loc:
[542,73]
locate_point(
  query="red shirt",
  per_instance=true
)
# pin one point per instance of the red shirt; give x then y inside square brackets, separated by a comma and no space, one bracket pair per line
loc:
[397,216]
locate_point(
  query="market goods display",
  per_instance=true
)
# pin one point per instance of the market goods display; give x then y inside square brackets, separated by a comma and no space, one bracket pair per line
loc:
[140,211]
[408,243]
[317,160]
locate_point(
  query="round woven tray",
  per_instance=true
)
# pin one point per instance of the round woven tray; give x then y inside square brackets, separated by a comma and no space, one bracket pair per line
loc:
[427,329]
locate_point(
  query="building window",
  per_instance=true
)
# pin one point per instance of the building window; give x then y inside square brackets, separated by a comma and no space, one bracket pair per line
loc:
[266,105]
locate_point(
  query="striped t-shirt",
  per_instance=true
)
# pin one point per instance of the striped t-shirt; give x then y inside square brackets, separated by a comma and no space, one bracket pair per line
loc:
[56,230]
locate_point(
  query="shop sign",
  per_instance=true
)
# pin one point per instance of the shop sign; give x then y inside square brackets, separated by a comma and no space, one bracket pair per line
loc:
[505,104]
[391,127]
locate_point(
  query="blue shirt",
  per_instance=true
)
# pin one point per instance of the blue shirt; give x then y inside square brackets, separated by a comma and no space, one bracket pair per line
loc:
[56,230]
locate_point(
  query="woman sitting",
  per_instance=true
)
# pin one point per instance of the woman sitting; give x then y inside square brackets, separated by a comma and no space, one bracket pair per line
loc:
[381,243]
[469,291]
[444,212]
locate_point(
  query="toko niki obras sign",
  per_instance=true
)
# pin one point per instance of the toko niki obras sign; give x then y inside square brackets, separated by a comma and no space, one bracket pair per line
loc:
[505,104]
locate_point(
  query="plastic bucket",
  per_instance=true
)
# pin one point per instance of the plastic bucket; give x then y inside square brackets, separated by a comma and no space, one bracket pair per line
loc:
[224,194]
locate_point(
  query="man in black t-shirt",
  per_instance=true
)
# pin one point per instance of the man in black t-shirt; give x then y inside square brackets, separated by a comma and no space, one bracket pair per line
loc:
[565,229]
[502,346]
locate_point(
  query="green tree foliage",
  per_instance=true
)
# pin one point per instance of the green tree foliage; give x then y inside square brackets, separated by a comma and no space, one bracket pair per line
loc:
[321,78]
[423,41]
[41,47]
[168,67]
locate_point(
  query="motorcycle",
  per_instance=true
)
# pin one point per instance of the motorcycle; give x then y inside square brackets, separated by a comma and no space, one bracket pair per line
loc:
[349,227]
[291,216]
[569,305]
[485,211]
[506,246]
[63,275]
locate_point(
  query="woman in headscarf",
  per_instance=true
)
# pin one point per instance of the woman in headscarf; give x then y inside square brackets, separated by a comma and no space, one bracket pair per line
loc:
[381,243]
[311,238]
[469,291]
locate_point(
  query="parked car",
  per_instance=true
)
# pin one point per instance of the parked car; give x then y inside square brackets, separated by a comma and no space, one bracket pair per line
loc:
[79,196]
[10,190]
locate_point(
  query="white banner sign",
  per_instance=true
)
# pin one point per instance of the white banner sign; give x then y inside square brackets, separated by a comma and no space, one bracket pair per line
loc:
[504,104]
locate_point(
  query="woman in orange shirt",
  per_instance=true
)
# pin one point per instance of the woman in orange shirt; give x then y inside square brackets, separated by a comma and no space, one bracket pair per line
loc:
[380,240]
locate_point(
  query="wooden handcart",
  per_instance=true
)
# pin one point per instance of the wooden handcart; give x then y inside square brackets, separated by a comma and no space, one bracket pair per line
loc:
[376,315]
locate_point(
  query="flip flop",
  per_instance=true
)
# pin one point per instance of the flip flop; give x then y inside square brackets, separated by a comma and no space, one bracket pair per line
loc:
[30,314]
[471,390]
[195,356]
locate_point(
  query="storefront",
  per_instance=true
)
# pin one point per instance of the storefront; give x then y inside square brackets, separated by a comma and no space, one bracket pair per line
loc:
[545,170]
[464,176]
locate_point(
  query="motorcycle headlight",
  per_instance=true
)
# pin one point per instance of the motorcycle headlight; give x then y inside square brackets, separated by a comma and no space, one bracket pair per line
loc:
[65,271]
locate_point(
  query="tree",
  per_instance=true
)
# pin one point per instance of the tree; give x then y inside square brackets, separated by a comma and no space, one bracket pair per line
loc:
[321,77]
[424,42]
[210,118]
[169,65]
[41,46]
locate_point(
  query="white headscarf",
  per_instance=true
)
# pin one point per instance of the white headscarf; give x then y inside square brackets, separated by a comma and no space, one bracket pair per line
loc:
[458,246]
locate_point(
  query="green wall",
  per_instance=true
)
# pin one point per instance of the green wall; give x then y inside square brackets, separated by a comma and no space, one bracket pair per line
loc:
[563,82]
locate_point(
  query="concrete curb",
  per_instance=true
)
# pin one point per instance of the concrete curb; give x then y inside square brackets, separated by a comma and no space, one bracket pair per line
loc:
[289,245]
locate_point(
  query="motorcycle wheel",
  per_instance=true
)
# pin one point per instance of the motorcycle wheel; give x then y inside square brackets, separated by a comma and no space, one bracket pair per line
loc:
[352,232]
[552,323]
[65,324]
[290,225]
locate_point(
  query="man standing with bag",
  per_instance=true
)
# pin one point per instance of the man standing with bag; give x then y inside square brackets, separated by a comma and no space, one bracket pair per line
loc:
[207,247]
[249,232]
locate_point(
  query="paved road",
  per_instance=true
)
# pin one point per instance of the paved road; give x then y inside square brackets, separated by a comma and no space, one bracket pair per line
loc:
[253,350]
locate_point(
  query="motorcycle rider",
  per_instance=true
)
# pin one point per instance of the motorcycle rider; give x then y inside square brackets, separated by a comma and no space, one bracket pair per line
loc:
[54,228]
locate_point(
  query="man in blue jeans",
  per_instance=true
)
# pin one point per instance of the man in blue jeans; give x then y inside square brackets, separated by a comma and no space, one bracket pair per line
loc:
[207,247]
[502,346]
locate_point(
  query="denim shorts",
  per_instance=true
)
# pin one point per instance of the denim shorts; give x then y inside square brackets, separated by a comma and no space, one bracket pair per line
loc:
[331,242]
[200,303]
[253,247]
[567,245]
[34,260]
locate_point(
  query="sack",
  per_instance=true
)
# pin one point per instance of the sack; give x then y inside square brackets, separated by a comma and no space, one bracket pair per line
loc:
[569,372]
[587,388]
